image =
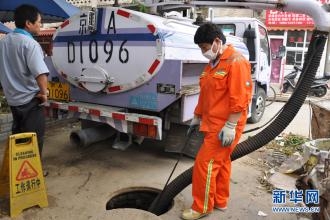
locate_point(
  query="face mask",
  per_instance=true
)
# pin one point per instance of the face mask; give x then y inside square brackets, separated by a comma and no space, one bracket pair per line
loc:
[210,54]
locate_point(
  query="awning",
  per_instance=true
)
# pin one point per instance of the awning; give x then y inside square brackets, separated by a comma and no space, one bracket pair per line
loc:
[47,32]
[52,10]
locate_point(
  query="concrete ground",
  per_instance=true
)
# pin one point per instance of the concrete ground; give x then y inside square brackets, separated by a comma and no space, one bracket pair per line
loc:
[81,181]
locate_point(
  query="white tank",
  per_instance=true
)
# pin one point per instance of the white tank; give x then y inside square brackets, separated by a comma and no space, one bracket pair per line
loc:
[124,49]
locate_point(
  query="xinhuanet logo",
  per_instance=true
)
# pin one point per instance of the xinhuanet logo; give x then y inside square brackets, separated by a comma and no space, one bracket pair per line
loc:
[289,209]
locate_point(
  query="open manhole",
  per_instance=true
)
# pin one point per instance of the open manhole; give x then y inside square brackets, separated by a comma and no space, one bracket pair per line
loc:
[135,198]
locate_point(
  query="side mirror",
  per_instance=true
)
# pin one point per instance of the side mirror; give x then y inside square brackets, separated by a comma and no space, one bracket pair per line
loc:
[281,51]
[249,33]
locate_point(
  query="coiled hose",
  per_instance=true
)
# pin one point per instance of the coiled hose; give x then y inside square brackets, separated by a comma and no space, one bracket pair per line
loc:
[289,111]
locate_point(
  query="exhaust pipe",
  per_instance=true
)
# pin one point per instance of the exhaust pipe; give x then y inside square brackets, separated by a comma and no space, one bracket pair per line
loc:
[88,136]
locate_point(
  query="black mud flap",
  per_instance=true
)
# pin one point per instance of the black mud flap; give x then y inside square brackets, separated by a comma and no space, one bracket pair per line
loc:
[175,139]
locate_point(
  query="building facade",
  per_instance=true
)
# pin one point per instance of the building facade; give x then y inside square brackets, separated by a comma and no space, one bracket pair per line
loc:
[294,31]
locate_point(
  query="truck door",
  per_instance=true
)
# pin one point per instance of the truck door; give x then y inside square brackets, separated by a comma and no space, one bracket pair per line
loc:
[262,75]
[264,57]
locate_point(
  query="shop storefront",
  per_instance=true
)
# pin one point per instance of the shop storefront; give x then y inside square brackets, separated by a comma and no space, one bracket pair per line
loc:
[294,31]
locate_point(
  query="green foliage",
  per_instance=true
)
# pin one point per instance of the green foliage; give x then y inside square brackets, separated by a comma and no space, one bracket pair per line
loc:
[141,7]
[288,144]
[4,107]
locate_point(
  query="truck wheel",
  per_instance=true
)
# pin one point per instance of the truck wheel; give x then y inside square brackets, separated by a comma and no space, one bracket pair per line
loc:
[258,106]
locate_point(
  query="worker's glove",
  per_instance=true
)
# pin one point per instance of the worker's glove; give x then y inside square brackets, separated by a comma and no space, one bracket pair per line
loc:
[227,134]
[194,124]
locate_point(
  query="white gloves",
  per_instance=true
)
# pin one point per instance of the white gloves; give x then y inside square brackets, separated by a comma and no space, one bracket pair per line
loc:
[227,134]
[195,122]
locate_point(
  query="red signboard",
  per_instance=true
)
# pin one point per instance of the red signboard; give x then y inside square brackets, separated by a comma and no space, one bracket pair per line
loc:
[279,19]
[284,19]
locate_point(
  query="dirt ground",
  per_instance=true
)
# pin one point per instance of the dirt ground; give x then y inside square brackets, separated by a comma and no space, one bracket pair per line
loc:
[82,181]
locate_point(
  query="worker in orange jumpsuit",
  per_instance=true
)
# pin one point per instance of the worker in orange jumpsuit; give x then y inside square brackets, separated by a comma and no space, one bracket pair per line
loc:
[221,112]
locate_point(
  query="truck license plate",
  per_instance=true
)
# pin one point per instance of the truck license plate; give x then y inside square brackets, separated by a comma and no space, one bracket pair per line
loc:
[58,91]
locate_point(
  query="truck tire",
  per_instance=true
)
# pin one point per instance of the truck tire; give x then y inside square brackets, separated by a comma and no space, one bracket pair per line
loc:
[258,106]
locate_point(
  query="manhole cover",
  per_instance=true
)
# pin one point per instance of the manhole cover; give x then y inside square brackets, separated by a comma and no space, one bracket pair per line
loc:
[136,198]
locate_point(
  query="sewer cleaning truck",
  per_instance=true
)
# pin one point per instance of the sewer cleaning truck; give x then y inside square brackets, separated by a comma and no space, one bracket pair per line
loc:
[139,73]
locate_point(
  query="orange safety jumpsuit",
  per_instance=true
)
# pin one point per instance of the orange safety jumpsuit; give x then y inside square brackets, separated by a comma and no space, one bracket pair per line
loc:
[225,88]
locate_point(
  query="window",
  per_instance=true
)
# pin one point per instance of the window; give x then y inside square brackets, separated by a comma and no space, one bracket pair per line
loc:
[295,39]
[264,43]
[294,58]
[297,45]
[228,29]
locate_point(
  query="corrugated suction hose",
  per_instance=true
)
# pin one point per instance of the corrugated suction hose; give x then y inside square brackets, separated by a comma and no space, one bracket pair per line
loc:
[290,109]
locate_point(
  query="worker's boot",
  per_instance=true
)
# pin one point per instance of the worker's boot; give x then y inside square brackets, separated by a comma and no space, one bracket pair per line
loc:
[190,214]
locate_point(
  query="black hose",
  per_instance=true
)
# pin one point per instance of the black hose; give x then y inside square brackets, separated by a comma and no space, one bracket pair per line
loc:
[293,105]
[290,110]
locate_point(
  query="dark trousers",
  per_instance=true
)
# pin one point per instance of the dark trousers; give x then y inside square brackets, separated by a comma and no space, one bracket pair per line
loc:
[30,117]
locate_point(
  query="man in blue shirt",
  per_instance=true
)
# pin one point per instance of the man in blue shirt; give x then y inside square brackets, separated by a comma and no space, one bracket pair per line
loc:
[23,73]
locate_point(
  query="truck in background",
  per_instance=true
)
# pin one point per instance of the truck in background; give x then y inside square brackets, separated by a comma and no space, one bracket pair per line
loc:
[139,73]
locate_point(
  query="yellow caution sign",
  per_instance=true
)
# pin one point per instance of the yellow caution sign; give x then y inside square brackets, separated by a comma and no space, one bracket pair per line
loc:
[26,181]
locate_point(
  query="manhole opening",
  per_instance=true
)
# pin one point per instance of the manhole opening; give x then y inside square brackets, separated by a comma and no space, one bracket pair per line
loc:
[136,199]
